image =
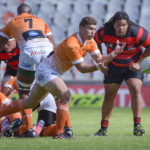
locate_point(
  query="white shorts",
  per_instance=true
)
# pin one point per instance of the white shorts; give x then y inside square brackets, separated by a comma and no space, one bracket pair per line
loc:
[48,103]
[30,58]
[45,74]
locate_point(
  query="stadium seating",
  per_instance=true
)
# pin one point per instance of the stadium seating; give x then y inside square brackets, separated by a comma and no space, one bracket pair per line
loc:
[63,17]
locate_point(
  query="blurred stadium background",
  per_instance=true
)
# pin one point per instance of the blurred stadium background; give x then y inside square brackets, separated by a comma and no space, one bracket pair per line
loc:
[63,17]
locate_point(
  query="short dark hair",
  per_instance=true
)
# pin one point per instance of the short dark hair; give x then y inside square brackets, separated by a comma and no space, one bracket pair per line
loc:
[88,21]
[24,8]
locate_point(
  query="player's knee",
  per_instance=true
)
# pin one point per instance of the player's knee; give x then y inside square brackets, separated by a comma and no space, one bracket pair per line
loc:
[66,97]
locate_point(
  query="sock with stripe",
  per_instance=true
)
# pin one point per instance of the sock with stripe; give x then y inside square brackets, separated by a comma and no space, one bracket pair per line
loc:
[137,121]
[27,118]
[104,124]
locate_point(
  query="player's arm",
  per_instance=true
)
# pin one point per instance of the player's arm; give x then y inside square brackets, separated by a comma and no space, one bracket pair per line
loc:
[145,42]
[99,58]
[49,35]
[84,68]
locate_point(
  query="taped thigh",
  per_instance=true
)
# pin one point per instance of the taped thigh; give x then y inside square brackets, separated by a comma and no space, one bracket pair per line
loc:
[23,86]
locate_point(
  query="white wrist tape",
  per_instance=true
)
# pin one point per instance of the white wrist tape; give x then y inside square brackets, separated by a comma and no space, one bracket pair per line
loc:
[113,54]
[98,66]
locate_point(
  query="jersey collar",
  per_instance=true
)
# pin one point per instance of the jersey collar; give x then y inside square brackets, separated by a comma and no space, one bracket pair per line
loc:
[79,37]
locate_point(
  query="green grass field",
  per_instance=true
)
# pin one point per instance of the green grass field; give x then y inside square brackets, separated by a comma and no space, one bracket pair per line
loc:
[85,122]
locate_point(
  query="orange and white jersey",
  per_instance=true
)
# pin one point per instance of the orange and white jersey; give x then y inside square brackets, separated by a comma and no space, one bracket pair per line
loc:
[70,52]
[20,26]
[12,84]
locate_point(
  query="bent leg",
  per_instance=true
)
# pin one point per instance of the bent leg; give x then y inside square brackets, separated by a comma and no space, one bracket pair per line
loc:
[135,86]
[59,89]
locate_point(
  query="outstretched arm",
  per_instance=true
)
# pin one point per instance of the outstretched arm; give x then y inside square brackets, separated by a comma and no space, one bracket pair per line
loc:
[118,49]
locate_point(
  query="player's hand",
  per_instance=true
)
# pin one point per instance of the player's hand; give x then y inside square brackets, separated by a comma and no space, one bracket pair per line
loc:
[135,67]
[119,47]
[104,68]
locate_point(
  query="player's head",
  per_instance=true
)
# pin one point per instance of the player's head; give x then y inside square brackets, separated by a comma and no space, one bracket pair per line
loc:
[120,22]
[10,45]
[24,8]
[87,28]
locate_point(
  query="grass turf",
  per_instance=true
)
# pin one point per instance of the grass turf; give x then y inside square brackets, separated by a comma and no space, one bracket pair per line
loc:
[85,122]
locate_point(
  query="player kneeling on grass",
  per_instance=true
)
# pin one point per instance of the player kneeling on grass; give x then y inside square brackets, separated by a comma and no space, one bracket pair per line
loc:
[11,123]
[48,74]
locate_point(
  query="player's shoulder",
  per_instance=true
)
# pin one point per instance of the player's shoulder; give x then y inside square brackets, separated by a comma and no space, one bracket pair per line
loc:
[72,41]
[135,29]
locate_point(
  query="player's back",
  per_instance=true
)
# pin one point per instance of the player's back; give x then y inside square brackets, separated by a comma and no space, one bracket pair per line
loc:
[26,27]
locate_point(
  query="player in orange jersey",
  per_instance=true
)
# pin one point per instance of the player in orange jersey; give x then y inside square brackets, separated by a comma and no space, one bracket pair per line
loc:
[48,74]
[35,42]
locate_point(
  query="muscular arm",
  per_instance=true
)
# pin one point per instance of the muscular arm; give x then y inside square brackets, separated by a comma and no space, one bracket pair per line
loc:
[83,68]
[145,54]
[136,66]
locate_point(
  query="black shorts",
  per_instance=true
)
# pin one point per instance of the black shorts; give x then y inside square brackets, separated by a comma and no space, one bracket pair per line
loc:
[10,71]
[47,116]
[118,74]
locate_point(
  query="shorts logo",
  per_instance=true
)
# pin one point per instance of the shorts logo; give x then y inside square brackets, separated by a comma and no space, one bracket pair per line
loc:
[27,65]
[41,77]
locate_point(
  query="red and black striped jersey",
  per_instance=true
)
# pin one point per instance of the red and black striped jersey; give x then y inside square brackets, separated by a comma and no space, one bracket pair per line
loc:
[136,38]
[11,58]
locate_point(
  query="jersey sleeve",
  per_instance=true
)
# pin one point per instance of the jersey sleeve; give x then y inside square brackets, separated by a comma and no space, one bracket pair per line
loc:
[143,38]
[74,55]
[47,30]
[93,49]
[99,35]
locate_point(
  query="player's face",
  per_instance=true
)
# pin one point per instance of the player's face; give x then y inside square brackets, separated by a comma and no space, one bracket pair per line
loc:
[11,44]
[121,27]
[88,32]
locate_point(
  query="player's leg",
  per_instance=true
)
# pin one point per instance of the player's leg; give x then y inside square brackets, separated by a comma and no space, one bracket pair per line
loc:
[59,89]
[134,86]
[68,128]
[9,107]
[112,83]
[24,82]
[49,118]
[107,107]
[47,115]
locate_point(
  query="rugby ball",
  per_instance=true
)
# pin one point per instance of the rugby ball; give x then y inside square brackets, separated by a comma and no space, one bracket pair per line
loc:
[145,65]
